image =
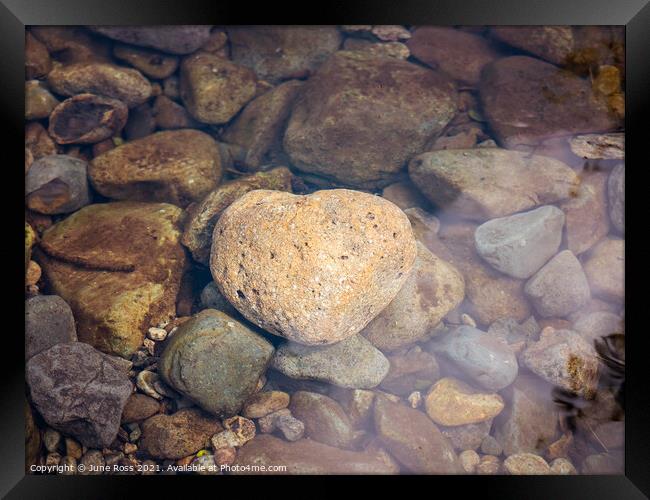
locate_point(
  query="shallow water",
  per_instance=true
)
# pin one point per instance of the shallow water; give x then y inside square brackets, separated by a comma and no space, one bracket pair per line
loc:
[493,345]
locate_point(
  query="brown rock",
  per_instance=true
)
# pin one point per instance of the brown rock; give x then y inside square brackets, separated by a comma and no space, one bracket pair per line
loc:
[39,103]
[553,43]
[262,403]
[460,54]
[214,89]
[118,266]
[308,457]
[178,435]
[349,125]
[260,126]
[467,436]
[605,269]
[170,115]
[586,216]
[178,39]
[413,439]
[405,195]
[72,44]
[526,101]
[286,261]
[203,216]
[139,407]
[181,166]
[396,50]
[324,419]
[150,62]
[278,53]
[38,142]
[124,84]
[416,370]
[434,287]
[486,183]
[87,119]
[37,58]
[452,402]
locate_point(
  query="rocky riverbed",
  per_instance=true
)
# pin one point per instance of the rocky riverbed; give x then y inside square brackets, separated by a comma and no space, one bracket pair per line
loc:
[324,250]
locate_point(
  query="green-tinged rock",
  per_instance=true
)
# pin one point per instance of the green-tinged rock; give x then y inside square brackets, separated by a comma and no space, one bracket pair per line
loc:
[215,361]
[118,266]
[203,216]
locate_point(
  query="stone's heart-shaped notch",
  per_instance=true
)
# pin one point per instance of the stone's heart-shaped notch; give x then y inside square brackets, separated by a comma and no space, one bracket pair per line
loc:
[314,269]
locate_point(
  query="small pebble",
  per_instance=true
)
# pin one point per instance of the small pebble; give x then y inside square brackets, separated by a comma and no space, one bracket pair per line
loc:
[157,334]
[73,448]
[292,428]
[145,382]
[52,459]
[70,464]
[130,448]
[225,455]
[415,399]
[51,440]
[488,466]
[33,273]
[562,466]
[226,439]
[150,346]
[466,319]
[469,459]
[243,428]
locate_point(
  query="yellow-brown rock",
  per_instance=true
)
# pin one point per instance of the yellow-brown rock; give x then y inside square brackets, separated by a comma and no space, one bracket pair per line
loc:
[314,269]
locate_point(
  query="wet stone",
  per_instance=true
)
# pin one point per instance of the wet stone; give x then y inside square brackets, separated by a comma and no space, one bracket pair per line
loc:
[564,358]
[616,197]
[39,102]
[48,321]
[518,245]
[413,370]
[182,39]
[124,84]
[352,363]
[526,464]
[452,402]
[57,184]
[488,362]
[87,119]
[560,287]
[216,361]
[324,419]
[605,269]
[79,391]
[284,261]
[139,407]
[467,436]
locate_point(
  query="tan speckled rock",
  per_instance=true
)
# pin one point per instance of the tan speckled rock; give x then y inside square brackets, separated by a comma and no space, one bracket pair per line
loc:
[553,43]
[125,84]
[214,89]
[434,287]
[314,269]
[203,216]
[118,266]
[453,402]
[526,464]
[175,166]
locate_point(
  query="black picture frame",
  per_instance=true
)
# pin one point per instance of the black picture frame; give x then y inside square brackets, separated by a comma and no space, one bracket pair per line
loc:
[634,14]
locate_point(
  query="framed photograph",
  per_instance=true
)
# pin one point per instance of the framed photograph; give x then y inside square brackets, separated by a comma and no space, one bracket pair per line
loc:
[300,245]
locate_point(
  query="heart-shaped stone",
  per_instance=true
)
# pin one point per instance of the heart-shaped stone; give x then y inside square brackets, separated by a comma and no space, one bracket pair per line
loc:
[314,269]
